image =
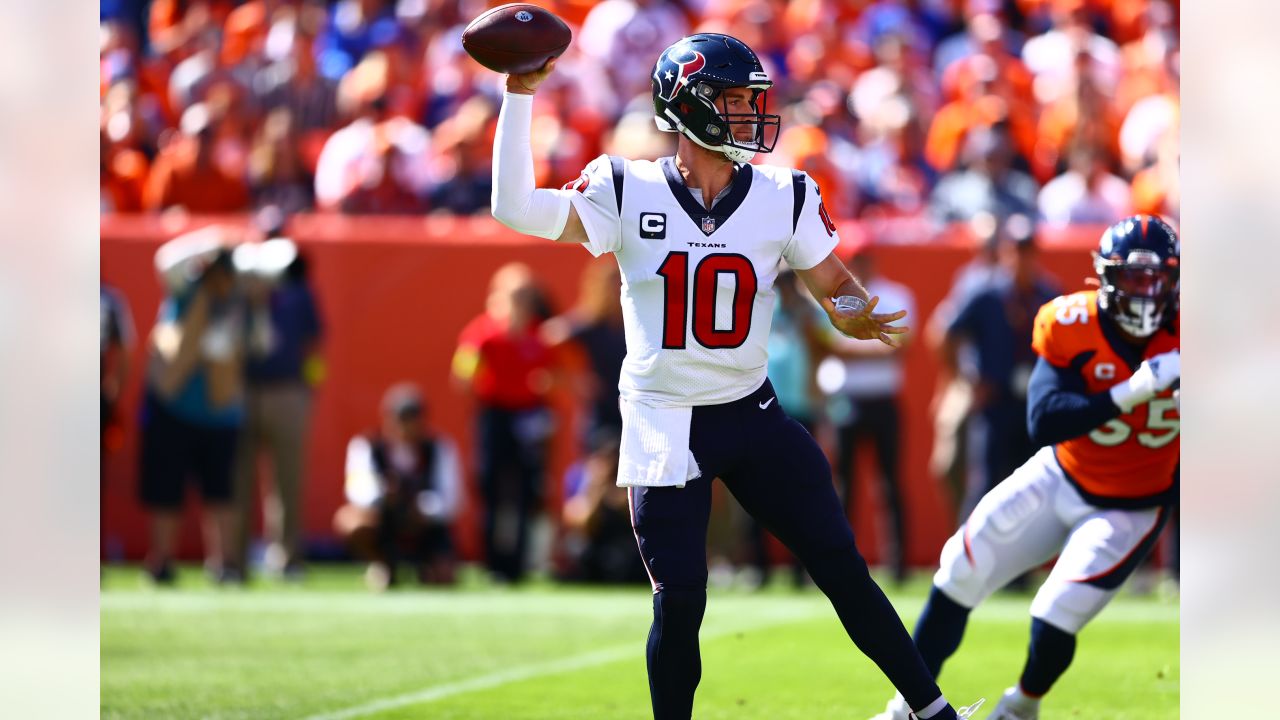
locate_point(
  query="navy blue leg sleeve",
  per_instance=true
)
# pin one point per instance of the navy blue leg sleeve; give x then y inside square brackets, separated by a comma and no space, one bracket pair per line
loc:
[674,662]
[1048,657]
[786,485]
[671,524]
[940,629]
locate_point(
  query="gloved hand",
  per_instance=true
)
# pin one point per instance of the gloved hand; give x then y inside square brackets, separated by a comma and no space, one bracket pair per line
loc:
[1153,377]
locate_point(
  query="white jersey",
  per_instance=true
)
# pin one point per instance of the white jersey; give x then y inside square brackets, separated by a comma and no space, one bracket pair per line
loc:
[697,284]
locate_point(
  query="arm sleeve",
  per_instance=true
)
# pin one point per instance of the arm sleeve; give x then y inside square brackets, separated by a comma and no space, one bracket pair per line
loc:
[361,484]
[961,323]
[815,234]
[516,201]
[1059,405]
[443,505]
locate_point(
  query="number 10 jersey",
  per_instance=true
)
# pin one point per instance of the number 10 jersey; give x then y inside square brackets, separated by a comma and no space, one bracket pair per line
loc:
[697,284]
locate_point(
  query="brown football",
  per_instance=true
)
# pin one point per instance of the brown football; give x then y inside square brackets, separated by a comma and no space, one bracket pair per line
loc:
[516,38]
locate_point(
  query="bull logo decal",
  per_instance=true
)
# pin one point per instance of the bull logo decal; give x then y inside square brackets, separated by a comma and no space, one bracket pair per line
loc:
[670,80]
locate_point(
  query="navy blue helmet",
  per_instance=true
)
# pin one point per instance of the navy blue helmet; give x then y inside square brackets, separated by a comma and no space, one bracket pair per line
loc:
[1137,265]
[689,81]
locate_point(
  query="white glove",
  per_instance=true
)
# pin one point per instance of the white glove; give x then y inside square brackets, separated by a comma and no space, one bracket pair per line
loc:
[1153,377]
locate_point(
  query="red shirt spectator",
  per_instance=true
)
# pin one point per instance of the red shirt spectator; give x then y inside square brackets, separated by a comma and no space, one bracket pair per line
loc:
[186,173]
[512,369]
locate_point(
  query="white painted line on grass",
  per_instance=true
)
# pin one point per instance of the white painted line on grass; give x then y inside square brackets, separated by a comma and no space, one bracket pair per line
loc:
[526,672]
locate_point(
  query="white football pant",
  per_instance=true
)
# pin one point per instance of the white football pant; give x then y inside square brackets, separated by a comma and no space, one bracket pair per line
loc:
[1026,520]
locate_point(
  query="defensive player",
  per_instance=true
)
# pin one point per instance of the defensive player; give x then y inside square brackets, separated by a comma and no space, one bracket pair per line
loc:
[1101,402]
[698,238]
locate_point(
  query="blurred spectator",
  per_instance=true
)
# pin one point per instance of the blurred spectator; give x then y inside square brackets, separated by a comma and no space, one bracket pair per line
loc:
[116,340]
[1149,122]
[618,35]
[599,542]
[403,488]
[593,331]
[979,97]
[892,103]
[244,34]
[377,164]
[189,175]
[1052,56]
[276,169]
[988,183]
[1086,193]
[194,403]
[292,83]
[122,175]
[352,29]
[1082,114]
[953,399]
[284,333]
[1157,189]
[984,31]
[462,165]
[504,365]
[863,386]
[998,323]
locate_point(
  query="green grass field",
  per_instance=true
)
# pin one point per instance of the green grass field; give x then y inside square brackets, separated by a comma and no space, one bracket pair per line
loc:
[328,649]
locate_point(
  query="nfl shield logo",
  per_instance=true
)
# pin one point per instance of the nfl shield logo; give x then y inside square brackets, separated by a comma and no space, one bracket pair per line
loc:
[708,225]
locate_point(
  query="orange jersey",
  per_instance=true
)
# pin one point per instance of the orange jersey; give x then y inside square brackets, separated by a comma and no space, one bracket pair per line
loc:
[1134,455]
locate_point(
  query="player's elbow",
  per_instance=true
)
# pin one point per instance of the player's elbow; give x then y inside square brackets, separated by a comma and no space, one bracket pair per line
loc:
[504,210]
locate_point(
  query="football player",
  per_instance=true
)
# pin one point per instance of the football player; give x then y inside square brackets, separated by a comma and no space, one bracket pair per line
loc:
[698,238]
[1102,404]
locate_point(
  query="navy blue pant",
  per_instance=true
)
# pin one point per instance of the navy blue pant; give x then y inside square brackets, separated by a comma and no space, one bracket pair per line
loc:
[780,476]
[511,454]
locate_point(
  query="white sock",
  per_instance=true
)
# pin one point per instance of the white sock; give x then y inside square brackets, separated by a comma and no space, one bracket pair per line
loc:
[1020,698]
[932,708]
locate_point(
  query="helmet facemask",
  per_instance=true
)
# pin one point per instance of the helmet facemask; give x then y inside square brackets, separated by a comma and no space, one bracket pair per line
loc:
[1138,291]
[700,112]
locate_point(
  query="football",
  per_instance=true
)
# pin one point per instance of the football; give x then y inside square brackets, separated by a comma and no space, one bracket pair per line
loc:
[516,38]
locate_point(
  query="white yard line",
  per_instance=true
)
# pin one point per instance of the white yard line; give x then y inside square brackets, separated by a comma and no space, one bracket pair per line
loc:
[552,667]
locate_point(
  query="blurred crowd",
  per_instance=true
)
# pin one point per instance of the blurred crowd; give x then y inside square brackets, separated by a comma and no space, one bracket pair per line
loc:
[925,110]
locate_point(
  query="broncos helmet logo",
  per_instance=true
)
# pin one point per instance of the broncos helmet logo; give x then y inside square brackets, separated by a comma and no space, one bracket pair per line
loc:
[687,63]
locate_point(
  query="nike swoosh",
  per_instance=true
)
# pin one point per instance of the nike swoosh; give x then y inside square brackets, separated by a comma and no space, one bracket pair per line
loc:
[765,405]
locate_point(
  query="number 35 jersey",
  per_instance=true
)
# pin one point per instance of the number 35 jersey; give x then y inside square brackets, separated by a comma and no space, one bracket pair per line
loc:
[1131,459]
[697,284]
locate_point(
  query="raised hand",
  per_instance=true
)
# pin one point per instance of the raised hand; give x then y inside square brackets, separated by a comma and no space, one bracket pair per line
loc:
[527,83]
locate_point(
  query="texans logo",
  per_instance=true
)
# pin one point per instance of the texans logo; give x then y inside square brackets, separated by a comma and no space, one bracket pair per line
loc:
[687,61]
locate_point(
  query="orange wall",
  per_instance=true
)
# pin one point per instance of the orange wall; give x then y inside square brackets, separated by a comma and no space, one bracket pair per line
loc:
[395,292]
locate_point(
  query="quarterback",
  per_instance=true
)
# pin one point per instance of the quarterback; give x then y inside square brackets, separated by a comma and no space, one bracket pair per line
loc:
[1102,404]
[699,238]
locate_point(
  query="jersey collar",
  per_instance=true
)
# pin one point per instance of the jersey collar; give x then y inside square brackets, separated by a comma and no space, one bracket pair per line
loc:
[708,220]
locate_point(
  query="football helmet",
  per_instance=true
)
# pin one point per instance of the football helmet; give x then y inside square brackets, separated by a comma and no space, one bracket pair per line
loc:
[689,80]
[1137,265]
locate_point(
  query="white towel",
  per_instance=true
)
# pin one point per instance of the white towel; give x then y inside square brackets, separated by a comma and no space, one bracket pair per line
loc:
[655,446]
